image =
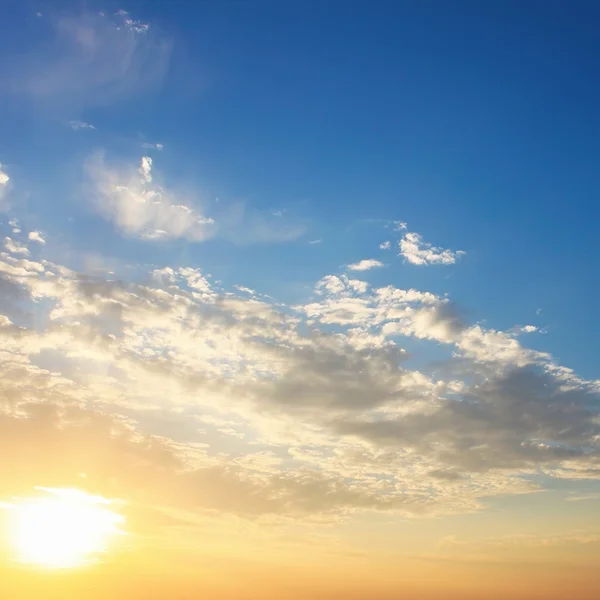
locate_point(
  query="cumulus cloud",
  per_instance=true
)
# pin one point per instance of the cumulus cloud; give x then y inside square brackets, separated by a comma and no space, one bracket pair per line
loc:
[418,252]
[385,245]
[14,247]
[36,236]
[137,207]
[365,265]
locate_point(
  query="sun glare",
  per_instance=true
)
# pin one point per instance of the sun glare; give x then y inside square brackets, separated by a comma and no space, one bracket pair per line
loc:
[63,528]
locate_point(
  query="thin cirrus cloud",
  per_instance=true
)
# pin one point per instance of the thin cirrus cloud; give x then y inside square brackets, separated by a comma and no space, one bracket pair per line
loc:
[91,59]
[151,146]
[77,125]
[417,251]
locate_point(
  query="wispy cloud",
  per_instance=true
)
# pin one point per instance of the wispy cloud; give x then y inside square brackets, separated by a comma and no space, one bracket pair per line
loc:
[137,207]
[385,245]
[241,224]
[150,146]
[365,265]
[77,125]
[130,197]
[583,498]
[91,59]
[418,252]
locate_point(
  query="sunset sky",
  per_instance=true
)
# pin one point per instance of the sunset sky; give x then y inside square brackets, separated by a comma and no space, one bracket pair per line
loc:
[299,300]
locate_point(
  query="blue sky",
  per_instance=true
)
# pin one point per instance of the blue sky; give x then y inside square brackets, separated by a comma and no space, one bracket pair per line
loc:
[475,126]
[274,146]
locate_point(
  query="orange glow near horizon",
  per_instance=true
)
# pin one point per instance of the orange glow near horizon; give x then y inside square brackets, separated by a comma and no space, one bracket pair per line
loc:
[65,528]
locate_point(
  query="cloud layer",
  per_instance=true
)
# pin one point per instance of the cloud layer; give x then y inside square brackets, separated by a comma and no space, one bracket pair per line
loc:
[183,393]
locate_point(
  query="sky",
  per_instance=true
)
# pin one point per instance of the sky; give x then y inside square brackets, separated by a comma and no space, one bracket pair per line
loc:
[306,293]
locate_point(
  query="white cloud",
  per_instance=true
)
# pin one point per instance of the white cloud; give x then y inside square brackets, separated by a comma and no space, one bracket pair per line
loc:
[131,198]
[36,236]
[385,245]
[315,241]
[528,329]
[139,208]
[77,125]
[320,411]
[4,183]
[146,169]
[15,247]
[149,146]
[418,252]
[365,265]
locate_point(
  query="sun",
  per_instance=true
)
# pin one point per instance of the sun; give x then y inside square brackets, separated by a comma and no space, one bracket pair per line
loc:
[64,528]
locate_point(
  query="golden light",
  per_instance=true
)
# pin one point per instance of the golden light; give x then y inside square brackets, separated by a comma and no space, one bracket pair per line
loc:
[65,528]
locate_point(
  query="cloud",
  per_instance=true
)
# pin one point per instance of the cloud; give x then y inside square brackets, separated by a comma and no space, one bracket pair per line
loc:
[77,125]
[36,236]
[183,393]
[385,245]
[137,207]
[90,59]
[528,329]
[4,184]
[240,224]
[145,169]
[14,247]
[149,146]
[365,265]
[130,197]
[418,252]
[315,241]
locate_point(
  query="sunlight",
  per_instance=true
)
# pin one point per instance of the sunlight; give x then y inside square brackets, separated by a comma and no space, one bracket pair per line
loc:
[65,528]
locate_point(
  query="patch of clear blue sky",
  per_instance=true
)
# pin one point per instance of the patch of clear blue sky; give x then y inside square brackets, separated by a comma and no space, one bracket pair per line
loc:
[475,122]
